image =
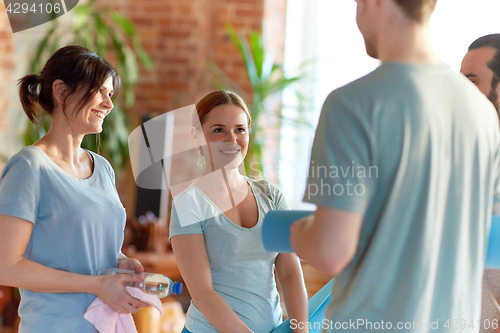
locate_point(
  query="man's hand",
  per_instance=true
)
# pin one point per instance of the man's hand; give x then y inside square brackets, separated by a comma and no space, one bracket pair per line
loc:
[328,239]
[298,229]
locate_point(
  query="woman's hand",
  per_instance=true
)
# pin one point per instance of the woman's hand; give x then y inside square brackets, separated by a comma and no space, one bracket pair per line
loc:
[111,290]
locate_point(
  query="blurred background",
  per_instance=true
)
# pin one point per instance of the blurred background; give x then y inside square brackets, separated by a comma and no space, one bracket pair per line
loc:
[170,53]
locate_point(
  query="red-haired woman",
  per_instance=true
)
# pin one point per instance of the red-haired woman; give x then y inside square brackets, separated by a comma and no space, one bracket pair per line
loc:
[216,232]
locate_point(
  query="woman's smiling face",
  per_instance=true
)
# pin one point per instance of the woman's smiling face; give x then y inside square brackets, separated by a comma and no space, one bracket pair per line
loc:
[225,132]
[89,118]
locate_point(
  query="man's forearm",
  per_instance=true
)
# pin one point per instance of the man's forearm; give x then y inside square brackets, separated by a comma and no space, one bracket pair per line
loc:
[328,240]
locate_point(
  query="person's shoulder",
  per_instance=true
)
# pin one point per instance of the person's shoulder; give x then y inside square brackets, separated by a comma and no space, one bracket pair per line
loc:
[264,187]
[388,81]
[270,193]
[185,197]
[465,96]
[463,88]
[102,164]
[263,183]
[30,155]
[100,160]
[359,90]
[384,77]
[28,158]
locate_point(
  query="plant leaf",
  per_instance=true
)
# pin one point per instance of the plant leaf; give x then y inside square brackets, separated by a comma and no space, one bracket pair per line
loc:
[257,50]
[226,82]
[80,17]
[143,57]
[125,24]
[101,34]
[243,47]
[268,66]
[42,46]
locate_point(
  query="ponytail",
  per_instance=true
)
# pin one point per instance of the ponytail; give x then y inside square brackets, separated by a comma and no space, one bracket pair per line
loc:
[28,93]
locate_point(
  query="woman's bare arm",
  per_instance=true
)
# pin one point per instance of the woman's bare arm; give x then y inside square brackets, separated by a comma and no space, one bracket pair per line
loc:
[191,256]
[16,271]
[289,273]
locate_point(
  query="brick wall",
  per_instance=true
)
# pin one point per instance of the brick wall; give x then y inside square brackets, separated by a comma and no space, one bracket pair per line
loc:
[181,36]
[275,27]
[6,68]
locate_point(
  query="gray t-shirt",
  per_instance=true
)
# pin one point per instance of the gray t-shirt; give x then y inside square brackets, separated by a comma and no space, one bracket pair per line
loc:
[77,227]
[415,150]
[242,271]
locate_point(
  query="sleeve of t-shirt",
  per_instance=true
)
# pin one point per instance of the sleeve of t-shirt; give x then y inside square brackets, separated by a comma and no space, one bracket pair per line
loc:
[279,200]
[184,218]
[340,159]
[19,189]
[110,170]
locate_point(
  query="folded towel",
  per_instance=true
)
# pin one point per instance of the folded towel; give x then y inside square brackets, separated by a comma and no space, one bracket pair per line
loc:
[107,320]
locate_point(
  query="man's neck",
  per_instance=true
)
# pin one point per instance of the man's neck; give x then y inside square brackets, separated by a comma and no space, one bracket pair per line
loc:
[407,43]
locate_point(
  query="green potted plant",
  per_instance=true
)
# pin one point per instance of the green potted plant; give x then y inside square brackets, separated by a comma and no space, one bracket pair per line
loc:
[111,36]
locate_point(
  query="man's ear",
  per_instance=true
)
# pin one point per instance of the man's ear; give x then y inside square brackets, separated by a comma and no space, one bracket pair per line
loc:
[497,89]
[60,90]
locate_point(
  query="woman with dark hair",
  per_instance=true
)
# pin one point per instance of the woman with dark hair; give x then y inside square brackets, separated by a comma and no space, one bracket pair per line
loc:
[61,219]
[215,231]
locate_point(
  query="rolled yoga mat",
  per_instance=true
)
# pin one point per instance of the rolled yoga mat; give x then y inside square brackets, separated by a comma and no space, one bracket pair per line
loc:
[276,229]
[276,234]
[317,308]
[493,253]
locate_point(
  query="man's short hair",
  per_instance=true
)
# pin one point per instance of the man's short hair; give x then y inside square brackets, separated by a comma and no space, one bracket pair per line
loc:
[417,10]
[492,41]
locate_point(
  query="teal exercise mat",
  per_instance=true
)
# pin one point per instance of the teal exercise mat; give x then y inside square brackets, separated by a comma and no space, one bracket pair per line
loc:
[276,229]
[317,309]
[493,254]
[276,234]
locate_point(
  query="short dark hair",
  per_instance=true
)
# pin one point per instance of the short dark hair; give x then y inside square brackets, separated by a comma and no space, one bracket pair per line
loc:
[417,10]
[78,67]
[492,41]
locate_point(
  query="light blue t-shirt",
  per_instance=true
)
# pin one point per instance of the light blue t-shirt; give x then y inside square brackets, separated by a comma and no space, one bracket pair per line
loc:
[242,270]
[415,150]
[77,227]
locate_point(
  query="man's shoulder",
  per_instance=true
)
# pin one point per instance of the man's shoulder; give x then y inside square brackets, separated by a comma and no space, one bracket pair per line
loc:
[392,81]
[395,75]
[367,87]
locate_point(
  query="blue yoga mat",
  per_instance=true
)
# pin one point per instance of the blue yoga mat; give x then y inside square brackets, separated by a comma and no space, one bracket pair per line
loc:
[493,254]
[276,234]
[276,229]
[317,308]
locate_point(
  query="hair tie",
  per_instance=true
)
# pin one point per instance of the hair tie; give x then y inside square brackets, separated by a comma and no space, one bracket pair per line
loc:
[34,88]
